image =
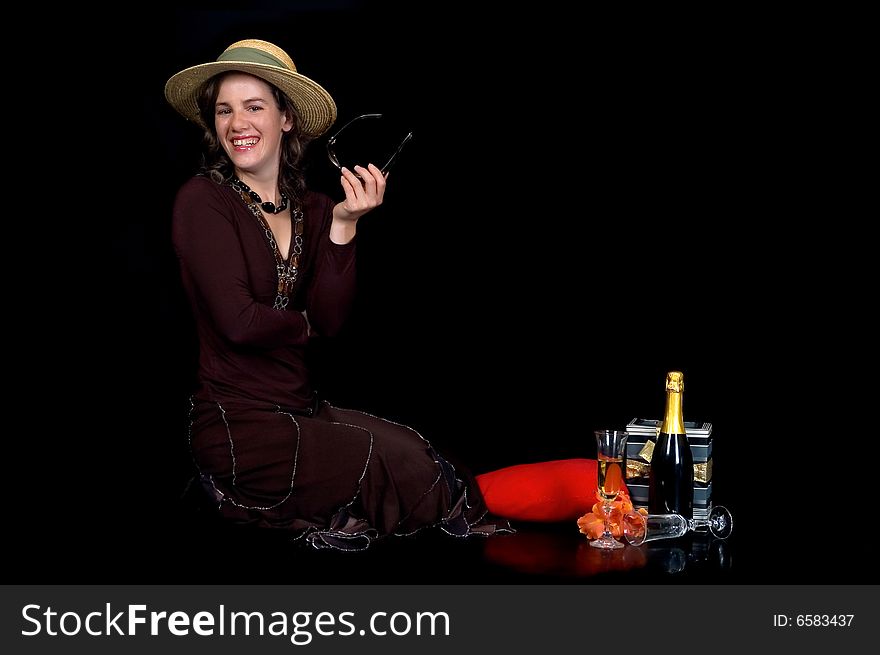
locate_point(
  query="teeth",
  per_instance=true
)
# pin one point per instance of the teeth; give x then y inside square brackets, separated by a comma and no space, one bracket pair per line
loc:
[245,142]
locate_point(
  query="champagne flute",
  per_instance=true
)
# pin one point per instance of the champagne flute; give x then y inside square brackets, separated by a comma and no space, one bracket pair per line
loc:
[639,528]
[611,445]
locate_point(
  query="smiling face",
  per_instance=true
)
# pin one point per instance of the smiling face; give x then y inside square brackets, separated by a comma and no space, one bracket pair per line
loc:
[250,124]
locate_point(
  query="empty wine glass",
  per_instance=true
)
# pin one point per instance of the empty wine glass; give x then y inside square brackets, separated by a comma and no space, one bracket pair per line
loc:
[611,449]
[639,528]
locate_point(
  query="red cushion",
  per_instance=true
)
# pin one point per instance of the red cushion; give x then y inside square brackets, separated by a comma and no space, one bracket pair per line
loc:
[558,490]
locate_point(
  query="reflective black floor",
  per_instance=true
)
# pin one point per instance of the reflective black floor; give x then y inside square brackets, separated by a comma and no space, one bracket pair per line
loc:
[190,551]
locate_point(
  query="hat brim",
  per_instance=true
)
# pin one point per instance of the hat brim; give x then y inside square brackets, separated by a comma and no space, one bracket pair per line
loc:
[315,105]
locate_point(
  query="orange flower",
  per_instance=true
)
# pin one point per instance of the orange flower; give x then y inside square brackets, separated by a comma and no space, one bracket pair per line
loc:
[592,523]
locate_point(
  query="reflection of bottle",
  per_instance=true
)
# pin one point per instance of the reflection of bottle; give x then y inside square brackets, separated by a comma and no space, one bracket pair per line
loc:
[671,480]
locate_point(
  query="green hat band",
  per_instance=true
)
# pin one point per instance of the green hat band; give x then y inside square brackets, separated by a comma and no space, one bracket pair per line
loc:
[253,56]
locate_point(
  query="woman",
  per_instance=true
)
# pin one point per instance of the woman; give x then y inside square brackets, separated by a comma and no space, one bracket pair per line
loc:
[265,264]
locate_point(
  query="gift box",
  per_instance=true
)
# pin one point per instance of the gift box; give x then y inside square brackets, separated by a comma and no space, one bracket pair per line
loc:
[639,450]
[638,493]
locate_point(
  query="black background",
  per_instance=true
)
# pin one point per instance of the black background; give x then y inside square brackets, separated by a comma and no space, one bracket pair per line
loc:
[588,202]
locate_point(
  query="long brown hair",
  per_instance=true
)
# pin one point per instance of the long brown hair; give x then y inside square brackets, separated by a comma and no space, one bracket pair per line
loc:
[215,162]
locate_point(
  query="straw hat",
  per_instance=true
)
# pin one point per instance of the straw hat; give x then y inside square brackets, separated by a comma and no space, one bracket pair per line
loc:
[267,61]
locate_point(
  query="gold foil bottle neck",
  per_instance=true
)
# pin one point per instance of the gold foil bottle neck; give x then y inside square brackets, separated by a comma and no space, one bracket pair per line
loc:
[675,381]
[673,419]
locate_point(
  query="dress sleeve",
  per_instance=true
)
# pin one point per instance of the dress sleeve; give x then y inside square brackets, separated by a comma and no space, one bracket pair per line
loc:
[332,288]
[207,244]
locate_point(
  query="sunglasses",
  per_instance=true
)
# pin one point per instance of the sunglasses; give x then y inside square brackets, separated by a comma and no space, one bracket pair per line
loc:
[332,144]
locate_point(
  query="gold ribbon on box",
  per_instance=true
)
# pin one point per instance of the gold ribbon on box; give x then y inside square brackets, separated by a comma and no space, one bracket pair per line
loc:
[637,469]
[703,472]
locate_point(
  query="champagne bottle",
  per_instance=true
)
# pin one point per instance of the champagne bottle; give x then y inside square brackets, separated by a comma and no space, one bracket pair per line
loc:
[671,478]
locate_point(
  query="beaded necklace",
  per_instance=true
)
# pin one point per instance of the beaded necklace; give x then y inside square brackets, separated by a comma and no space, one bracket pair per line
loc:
[287,271]
[255,197]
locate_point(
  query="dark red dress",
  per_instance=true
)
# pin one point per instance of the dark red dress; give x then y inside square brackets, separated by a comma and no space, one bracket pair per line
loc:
[267,451]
